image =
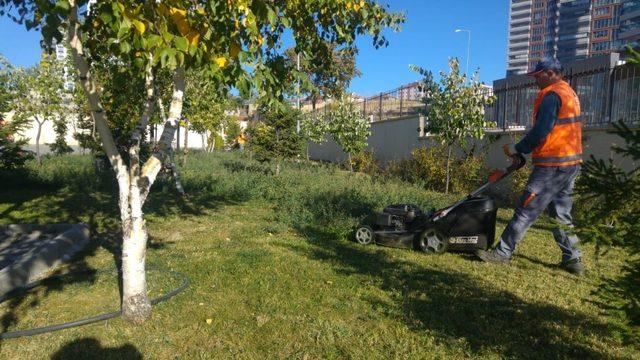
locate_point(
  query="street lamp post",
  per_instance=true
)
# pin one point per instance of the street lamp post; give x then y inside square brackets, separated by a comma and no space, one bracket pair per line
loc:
[468,49]
[298,91]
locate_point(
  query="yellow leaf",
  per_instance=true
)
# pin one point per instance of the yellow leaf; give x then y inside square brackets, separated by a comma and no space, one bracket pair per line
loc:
[209,321]
[221,61]
[193,37]
[178,12]
[179,17]
[139,25]
[260,40]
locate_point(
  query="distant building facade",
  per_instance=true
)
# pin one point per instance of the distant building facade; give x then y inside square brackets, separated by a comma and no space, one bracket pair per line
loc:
[569,30]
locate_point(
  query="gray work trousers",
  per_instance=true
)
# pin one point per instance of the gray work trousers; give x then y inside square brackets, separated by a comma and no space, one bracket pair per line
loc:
[548,188]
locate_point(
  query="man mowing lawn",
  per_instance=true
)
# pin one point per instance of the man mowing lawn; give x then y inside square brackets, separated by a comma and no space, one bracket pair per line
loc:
[555,142]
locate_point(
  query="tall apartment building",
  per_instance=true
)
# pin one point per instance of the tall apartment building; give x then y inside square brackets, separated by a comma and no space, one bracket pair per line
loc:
[630,21]
[569,30]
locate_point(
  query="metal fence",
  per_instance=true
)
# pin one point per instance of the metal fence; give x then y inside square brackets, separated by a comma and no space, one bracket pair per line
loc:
[403,101]
[608,92]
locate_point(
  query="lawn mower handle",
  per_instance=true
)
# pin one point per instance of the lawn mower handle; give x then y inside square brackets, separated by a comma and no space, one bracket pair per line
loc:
[517,162]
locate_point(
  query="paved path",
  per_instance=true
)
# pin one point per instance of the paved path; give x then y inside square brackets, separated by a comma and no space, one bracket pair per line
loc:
[30,252]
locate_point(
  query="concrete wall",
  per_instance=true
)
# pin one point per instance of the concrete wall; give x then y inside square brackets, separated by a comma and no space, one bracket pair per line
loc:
[390,140]
[48,136]
[395,139]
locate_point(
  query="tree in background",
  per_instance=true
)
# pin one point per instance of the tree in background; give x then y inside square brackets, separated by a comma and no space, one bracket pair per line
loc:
[6,93]
[275,137]
[325,79]
[314,129]
[85,133]
[348,128]
[205,107]
[40,95]
[455,108]
[232,129]
[12,153]
[236,42]
[60,146]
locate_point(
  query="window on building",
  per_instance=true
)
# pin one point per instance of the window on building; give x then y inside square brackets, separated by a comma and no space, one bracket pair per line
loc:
[600,33]
[601,46]
[602,11]
[602,23]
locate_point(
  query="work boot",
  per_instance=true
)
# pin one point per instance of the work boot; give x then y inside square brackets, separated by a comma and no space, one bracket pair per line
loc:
[573,266]
[492,257]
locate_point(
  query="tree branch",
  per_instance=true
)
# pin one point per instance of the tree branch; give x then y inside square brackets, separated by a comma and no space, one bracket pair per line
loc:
[149,105]
[152,167]
[97,112]
[134,149]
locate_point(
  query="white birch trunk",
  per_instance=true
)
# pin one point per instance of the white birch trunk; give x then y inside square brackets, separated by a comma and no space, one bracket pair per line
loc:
[152,167]
[136,306]
[135,303]
[38,156]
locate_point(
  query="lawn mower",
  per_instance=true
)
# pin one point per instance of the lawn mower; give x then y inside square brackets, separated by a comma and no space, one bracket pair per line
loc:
[466,226]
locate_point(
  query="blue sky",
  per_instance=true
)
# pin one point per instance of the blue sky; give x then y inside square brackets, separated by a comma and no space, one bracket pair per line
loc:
[427,39]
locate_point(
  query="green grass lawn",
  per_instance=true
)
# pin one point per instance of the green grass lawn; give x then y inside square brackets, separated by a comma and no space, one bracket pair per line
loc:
[274,275]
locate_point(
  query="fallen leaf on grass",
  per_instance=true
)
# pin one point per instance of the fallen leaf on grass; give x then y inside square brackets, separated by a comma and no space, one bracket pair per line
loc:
[261,319]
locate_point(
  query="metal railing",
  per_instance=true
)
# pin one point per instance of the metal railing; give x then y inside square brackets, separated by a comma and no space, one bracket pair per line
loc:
[403,101]
[608,93]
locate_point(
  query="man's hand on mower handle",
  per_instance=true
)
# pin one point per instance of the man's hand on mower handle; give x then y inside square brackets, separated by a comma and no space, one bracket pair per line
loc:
[509,149]
[495,175]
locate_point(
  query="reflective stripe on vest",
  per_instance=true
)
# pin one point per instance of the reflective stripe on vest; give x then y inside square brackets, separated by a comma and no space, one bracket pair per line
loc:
[563,145]
[569,120]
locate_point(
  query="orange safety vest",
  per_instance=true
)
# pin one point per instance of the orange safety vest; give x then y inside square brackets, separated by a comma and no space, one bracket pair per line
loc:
[563,145]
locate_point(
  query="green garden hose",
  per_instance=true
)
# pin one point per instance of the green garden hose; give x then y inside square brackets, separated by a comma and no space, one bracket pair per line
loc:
[85,321]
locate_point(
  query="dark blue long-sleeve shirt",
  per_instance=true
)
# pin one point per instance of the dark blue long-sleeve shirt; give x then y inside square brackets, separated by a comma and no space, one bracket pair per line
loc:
[545,120]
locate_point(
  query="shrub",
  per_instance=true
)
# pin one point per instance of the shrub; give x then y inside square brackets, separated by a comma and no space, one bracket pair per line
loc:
[427,167]
[365,162]
[219,142]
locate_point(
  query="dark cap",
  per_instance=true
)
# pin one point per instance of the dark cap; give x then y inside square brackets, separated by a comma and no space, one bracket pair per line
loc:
[548,63]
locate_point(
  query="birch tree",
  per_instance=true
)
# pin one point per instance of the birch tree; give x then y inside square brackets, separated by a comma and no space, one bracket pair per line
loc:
[39,95]
[455,108]
[237,43]
[12,154]
[205,106]
[349,128]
